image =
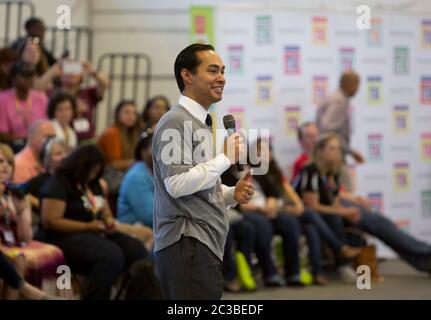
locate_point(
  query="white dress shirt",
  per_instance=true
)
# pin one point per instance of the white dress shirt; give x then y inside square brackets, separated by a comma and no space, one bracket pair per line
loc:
[204,175]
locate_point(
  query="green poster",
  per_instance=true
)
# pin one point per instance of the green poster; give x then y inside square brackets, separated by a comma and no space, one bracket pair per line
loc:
[202,24]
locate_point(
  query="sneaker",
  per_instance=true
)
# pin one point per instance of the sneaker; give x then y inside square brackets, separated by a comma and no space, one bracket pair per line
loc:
[275,281]
[347,274]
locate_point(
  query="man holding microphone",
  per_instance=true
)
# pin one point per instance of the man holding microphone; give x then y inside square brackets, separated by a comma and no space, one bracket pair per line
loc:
[190,203]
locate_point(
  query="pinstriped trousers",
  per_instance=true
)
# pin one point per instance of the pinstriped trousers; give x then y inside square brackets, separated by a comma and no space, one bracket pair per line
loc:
[189,270]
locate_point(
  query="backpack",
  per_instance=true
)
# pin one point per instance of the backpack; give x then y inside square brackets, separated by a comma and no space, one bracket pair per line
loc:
[140,283]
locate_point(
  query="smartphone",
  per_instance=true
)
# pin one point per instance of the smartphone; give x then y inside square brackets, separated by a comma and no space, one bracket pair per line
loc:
[72,67]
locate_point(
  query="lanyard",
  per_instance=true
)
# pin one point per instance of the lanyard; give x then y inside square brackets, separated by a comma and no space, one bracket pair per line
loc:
[24,113]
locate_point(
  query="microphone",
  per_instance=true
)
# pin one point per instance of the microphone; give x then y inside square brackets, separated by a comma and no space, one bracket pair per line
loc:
[229,125]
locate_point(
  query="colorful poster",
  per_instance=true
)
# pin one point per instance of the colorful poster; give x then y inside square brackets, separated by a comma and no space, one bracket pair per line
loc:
[401,119]
[236,59]
[426,147]
[425,90]
[293,117]
[202,24]
[401,60]
[375,33]
[239,115]
[374,90]
[347,59]
[376,201]
[375,147]
[292,60]
[320,31]
[426,34]
[320,89]
[263,30]
[426,203]
[401,176]
[264,90]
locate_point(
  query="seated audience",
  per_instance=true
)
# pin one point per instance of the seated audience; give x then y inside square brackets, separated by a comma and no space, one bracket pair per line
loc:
[20,106]
[77,218]
[319,187]
[27,162]
[41,260]
[7,58]
[61,111]
[314,227]
[155,108]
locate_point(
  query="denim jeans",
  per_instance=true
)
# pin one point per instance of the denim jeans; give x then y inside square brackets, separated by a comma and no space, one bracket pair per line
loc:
[244,233]
[289,228]
[413,251]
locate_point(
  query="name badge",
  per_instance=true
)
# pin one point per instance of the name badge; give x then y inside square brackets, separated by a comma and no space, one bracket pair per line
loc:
[81,125]
[9,237]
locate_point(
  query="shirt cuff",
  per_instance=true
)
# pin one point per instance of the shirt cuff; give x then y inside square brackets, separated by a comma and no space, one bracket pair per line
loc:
[222,163]
[228,196]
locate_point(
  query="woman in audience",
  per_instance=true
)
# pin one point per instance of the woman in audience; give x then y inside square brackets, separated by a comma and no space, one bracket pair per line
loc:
[77,218]
[155,108]
[7,58]
[319,186]
[40,260]
[61,111]
[87,98]
[31,52]
[20,106]
[118,141]
[135,200]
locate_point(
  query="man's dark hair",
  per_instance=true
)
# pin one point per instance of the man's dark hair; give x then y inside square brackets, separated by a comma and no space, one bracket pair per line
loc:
[33,21]
[187,59]
[76,167]
[58,97]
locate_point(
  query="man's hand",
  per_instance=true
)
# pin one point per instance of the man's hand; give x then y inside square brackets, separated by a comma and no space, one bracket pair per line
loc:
[244,189]
[352,214]
[234,148]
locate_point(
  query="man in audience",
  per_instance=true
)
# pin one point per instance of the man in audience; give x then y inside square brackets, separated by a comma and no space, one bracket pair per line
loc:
[27,163]
[333,116]
[20,106]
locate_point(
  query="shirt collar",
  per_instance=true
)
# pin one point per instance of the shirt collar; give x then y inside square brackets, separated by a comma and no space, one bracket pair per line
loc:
[194,108]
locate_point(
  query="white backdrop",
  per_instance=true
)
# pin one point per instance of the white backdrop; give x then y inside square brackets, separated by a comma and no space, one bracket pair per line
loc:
[280,63]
